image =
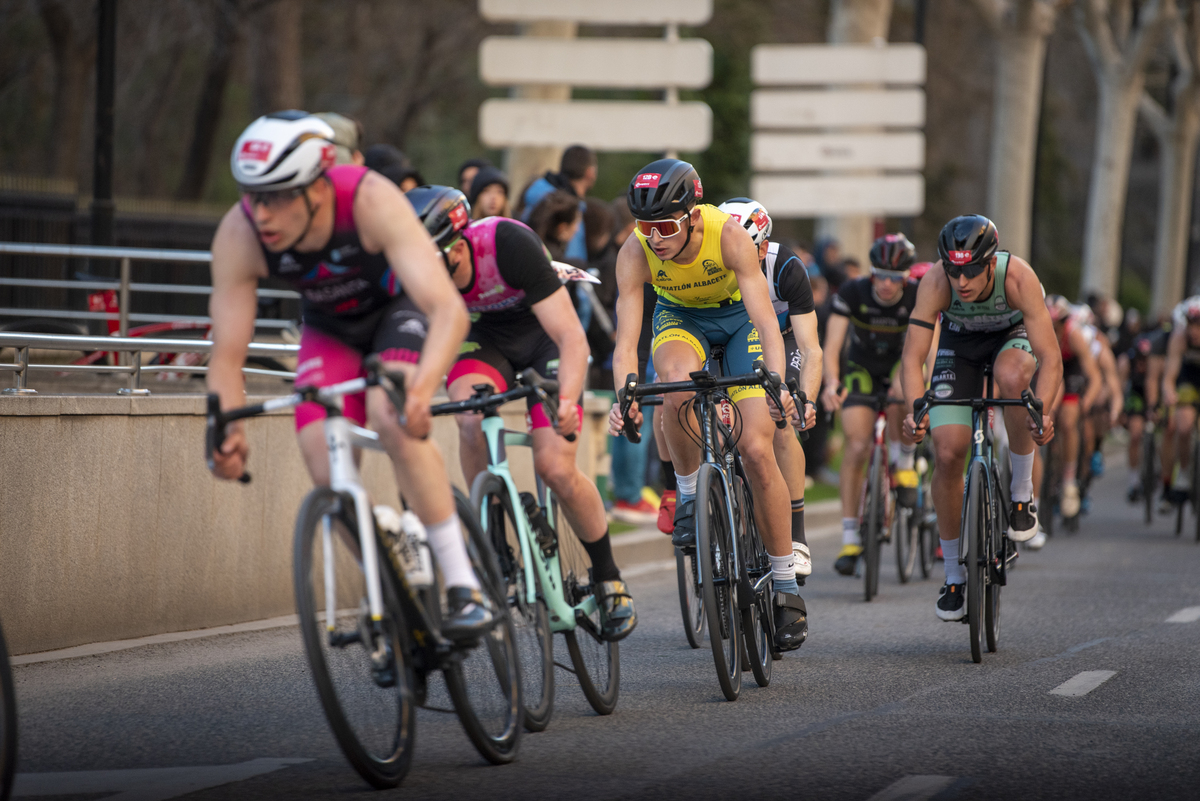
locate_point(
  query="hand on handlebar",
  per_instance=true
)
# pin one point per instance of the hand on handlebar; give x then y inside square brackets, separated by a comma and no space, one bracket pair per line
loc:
[417,422]
[833,396]
[229,460]
[1047,429]
[569,416]
[616,424]
[916,432]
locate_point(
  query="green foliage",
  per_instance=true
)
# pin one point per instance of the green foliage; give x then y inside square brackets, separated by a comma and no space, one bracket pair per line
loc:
[1134,292]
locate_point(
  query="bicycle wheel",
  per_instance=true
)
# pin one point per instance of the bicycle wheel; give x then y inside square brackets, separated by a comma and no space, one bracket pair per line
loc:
[8,723]
[995,551]
[873,519]
[714,549]
[1149,485]
[531,621]
[372,712]
[691,605]
[597,662]
[904,534]
[757,636]
[485,685]
[974,529]
[925,533]
[1050,484]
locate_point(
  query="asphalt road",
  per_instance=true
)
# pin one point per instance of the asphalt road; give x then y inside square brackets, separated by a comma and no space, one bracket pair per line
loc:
[883,701]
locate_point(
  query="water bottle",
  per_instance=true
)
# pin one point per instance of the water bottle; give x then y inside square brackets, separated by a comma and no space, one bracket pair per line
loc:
[409,545]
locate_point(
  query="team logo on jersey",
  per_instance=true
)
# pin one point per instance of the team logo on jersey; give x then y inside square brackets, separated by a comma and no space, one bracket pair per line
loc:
[711,267]
[288,263]
[647,180]
[337,254]
[1001,305]
[662,276]
[943,391]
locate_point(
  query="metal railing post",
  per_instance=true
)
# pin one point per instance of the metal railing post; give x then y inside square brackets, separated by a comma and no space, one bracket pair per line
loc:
[123,305]
[22,372]
[135,376]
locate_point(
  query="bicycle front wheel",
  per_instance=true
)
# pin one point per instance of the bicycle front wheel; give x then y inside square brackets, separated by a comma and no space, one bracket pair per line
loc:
[362,669]
[974,530]
[714,549]
[8,723]
[485,685]
[691,605]
[1149,485]
[904,534]
[531,621]
[874,517]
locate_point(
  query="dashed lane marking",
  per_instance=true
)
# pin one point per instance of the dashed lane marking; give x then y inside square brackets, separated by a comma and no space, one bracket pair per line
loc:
[913,788]
[149,784]
[1083,683]
[1188,615]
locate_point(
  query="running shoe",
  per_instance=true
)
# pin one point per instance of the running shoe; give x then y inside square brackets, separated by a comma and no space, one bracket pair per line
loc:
[1022,521]
[1070,499]
[847,559]
[802,560]
[666,512]
[640,513]
[950,602]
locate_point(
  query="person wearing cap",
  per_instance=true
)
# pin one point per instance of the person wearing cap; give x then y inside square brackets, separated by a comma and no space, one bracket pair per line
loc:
[489,193]
[467,171]
[347,136]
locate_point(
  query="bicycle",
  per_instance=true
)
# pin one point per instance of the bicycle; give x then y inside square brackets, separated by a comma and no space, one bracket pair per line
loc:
[1148,469]
[984,546]
[371,632]
[924,514]
[8,723]
[733,571]
[882,518]
[544,569]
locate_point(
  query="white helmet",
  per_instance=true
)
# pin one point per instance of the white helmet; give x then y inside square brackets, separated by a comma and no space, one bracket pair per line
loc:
[283,150]
[752,215]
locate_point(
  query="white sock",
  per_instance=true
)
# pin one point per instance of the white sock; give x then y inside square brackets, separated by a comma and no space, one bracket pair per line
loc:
[687,484]
[783,569]
[1022,476]
[955,573]
[893,452]
[446,542]
[850,534]
[907,454]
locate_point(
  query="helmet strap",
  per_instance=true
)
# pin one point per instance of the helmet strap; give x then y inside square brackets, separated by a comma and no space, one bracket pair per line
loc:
[312,213]
[686,239]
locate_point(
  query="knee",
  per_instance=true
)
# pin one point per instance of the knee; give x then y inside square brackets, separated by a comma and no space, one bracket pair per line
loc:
[557,472]
[1012,381]
[758,454]
[469,426]
[949,455]
[857,449]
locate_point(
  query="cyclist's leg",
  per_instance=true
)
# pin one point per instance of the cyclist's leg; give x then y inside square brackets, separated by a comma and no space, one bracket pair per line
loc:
[479,362]
[858,423]
[790,457]
[324,360]
[1013,371]
[1185,424]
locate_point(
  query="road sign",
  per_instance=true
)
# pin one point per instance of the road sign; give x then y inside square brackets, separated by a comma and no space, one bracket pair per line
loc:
[609,125]
[832,195]
[608,12]
[819,108]
[821,151]
[797,65]
[612,63]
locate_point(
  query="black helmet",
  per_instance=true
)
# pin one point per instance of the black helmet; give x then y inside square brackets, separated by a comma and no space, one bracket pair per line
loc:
[970,240]
[664,188]
[893,252]
[443,209]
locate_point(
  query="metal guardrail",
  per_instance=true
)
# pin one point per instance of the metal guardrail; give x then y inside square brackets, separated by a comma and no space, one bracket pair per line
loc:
[125,286]
[135,346]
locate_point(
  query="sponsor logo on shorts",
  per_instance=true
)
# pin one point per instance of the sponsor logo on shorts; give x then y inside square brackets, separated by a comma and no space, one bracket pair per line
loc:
[945,352]
[315,363]
[753,335]
[946,375]
[797,360]
[943,391]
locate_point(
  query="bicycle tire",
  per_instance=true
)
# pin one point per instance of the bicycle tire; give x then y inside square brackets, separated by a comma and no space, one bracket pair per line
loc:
[357,709]
[597,662]
[485,685]
[874,528]
[1148,478]
[904,530]
[714,543]
[995,551]
[691,605]
[757,636]
[531,623]
[974,528]
[8,723]
[1049,496]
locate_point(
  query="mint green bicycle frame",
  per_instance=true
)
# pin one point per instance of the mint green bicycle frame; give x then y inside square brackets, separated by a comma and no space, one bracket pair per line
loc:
[549,575]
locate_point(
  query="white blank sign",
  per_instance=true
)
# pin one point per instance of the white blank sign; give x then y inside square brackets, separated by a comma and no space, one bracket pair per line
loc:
[776,152]
[608,12]
[828,195]
[799,65]
[608,125]
[819,108]
[614,63]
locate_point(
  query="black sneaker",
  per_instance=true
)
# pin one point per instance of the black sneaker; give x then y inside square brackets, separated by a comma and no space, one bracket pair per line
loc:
[950,602]
[791,621]
[1022,521]
[469,618]
[684,535]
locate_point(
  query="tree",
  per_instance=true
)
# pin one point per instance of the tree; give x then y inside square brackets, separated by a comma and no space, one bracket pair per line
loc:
[1021,28]
[1119,40]
[212,96]
[73,43]
[275,56]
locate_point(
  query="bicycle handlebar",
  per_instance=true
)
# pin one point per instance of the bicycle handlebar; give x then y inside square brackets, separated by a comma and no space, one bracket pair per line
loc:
[484,400]
[922,405]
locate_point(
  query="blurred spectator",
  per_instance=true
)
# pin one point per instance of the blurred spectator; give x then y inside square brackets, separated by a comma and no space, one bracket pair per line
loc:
[599,219]
[489,194]
[576,175]
[556,220]
[347,136]
[394,165]
[852,268]
[827,255]
[466,173]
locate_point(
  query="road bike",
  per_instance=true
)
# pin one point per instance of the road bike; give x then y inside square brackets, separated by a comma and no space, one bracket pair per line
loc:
[372,636]
[544,570]
[984,546]
[8,723]
[923,512]
[733,571]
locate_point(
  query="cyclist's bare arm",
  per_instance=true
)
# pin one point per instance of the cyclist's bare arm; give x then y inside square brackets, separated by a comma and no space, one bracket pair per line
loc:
[807,341]
[633,273]
[237,264]
[835,338]
[1154,375]
[386,222]
[932,357]
[1108,367]
[933,295]
[560,322]
[1174,362]
[1087,362]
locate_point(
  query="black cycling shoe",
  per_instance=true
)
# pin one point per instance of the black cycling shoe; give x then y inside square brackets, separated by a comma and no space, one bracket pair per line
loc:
[1022,521]
[618,618]
[951,603]
[791,621]
[468,618]
[848,559]
[684,535]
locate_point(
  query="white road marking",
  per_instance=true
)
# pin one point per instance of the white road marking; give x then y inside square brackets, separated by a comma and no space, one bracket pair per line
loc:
[1083,683]
[1188,615]
[913,788]
[647,568]
[151,784]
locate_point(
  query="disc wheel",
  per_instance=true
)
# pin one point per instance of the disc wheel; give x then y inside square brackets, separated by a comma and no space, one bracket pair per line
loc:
[714,548]
[531,620]
[974,524]
[756,610]
[370,707]
[691,605]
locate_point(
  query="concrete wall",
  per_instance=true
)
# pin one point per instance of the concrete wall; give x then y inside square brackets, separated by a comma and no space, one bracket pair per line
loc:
[111,526]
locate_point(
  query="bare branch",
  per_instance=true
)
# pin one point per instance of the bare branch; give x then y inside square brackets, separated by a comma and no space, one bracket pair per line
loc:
[1092,21]
[1155,115]
[1152,19]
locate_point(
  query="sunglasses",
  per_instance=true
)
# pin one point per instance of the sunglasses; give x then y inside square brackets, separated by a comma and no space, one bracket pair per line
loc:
[274,200]
[953,271]
[666,228]
[888,275]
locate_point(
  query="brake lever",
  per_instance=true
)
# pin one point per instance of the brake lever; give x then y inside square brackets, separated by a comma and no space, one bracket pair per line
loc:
[800,399]
[625,396]
[214,434]
[1034,407]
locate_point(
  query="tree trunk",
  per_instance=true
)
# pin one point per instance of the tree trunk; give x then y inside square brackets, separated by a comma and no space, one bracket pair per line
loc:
[1116,118]
[276,56]
[1177,171]
[212,95]
[73,42]
[855,22]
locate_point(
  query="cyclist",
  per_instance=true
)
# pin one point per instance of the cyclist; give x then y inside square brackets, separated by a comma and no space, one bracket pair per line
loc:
[522,317]
[1181,386]
[1142,366]
[792,299]
[711,290]
[992,313]
[878,307]
[350,243]
[1082,383]
[1103,414]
